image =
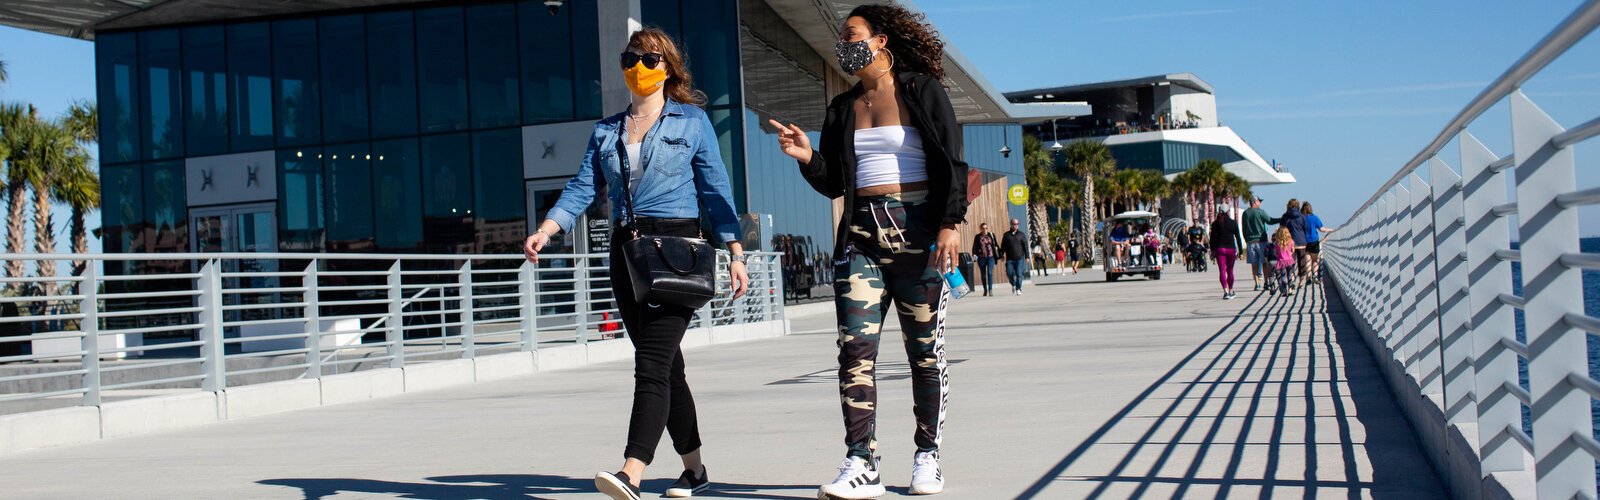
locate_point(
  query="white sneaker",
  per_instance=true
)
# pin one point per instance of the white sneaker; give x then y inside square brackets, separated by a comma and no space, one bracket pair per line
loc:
[925,476]
[857,479]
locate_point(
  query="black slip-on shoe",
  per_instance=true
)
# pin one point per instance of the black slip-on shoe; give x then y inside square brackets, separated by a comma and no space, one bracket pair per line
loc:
[616,486]
[687,485]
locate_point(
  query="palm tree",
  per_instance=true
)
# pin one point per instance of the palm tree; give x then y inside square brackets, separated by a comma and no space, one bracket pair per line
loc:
[3,75]
[77,185]
[15,121]
[1155,188]
[52,150]
[1085,160]
[1043,183]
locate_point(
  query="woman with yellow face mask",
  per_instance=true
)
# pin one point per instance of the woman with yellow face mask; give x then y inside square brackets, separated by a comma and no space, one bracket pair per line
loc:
[664,152]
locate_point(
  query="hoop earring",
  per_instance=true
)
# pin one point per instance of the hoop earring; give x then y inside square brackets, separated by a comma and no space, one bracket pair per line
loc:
[891,61]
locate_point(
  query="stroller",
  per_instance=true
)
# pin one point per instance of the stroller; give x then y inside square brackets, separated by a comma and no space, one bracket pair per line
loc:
[1194,257]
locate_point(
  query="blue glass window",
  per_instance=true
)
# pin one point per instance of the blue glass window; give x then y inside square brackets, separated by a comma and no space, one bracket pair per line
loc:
[492,65]
[117,84]
[586,59]
[447,193]
[441,69]
[348,185]
[343,43]
[205,70]
[397,177]
[159,66]
[121,209]
[711,39]
[501,213]
[166,207]
[392,73]
[250,85]
[546,70]
[300,201]
[294,62]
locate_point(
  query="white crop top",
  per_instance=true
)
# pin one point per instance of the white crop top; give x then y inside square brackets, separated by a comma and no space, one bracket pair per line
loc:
[889,155]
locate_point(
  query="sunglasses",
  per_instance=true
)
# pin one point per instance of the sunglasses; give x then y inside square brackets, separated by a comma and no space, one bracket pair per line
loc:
[651,59]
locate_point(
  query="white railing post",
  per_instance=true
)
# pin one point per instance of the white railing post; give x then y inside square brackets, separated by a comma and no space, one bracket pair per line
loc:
[580,294]
[213,364]
[313,316]
[1423,317]
[1551,290]
[1449,235]
[89,326]
[528,301]
[1491,321]
[395,338]
[469,345]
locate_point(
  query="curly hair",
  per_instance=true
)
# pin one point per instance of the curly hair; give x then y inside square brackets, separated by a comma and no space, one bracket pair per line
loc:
[680,87]
[913,42]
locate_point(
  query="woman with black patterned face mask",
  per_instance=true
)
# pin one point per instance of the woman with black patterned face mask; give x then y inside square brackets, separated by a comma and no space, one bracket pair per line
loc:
[892,148]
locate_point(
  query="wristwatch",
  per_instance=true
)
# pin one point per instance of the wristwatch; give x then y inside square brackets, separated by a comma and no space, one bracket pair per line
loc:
[741,258]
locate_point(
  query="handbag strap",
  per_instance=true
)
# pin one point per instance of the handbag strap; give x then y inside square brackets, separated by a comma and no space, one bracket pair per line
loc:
[628,220]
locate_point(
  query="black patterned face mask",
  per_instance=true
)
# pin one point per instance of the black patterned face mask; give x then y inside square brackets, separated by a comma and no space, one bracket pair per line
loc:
[853,56]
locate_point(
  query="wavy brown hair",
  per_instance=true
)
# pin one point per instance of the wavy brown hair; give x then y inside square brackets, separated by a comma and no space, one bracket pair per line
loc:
[680,84]
[1305,208]
[913,42]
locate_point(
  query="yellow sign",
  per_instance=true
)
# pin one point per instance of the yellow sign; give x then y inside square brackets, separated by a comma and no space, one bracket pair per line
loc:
[1018,194]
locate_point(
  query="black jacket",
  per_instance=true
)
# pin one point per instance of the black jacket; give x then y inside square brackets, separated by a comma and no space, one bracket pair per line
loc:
[1013,246]
[1224,234]
[1296,224]
[832,171]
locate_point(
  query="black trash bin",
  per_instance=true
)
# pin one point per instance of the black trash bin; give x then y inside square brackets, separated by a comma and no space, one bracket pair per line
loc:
[12,329]
[969,270]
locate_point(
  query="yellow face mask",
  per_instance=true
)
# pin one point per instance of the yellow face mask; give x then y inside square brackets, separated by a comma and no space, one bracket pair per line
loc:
[645,81]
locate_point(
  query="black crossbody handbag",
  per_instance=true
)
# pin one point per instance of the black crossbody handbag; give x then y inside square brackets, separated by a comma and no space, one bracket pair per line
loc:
[664,269]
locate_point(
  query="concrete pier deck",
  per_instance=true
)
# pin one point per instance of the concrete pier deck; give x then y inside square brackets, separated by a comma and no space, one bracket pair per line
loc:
[1077,389]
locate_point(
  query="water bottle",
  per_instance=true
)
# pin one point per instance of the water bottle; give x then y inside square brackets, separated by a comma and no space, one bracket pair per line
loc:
[954,280]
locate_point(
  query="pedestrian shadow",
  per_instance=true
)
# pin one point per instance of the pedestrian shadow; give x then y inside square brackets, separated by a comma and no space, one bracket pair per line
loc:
[507,486]
[1284,400]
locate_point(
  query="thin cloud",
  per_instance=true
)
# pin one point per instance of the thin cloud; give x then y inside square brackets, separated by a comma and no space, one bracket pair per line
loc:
[1168,15]
[1402,89]
[971,9]
[1343,113]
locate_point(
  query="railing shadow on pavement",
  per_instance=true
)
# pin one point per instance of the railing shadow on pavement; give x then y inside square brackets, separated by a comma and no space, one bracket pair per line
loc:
[1218,401]
[507,486]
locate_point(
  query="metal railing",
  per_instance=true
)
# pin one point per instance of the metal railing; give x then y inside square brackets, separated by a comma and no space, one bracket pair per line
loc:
[1426,262]
[137,325]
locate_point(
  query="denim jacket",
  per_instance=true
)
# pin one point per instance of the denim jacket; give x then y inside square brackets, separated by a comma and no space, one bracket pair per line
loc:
[683,171]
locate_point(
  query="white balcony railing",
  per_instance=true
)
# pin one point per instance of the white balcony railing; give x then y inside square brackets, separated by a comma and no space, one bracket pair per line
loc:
[206,322]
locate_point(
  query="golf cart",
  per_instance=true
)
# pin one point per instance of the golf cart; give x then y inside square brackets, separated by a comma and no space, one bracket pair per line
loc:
[1132,258]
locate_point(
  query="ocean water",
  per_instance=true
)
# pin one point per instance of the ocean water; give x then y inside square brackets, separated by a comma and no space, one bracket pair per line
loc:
[1591,306]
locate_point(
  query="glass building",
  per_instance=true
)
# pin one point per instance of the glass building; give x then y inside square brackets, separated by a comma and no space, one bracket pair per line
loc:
[450,127]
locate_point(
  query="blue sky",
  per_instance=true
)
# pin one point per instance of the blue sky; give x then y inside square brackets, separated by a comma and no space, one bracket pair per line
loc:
[1343,92]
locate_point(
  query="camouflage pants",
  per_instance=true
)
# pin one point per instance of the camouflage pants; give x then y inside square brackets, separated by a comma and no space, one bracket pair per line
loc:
[887,261]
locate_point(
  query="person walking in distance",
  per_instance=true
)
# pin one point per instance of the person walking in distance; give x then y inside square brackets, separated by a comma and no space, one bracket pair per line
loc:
[1254,222]
[986,248]
[1293,221]
[1072,253]
[1014,249]
[1314,232]
[892,148]
[1061,255]
[662,154]
[1225,249]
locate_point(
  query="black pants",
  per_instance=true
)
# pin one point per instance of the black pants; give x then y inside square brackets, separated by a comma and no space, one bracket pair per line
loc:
[661,397]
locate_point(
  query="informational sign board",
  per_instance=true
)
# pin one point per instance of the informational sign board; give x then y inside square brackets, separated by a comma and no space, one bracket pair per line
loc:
[1018,194]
